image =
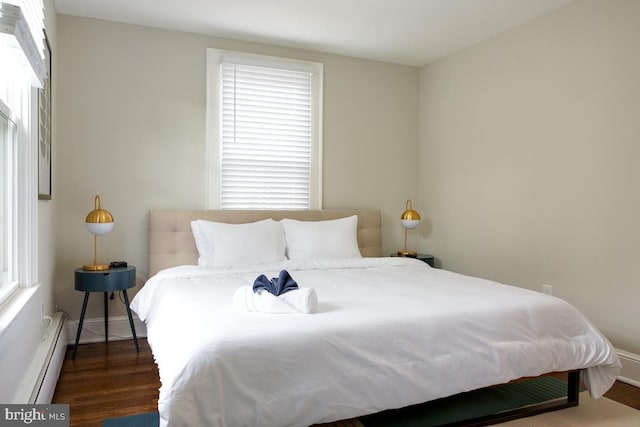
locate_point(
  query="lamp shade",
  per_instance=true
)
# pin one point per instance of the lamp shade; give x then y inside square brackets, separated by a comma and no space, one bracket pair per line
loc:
[410,223]
[410,218]
[98,228]
[99,221]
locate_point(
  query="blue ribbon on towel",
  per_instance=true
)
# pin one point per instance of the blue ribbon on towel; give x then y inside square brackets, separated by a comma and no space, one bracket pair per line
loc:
[277,286]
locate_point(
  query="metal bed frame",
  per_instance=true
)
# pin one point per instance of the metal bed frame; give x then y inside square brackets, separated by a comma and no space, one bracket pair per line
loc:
[572,399]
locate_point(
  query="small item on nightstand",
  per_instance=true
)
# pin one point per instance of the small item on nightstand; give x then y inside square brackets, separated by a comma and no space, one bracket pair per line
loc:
[118,264]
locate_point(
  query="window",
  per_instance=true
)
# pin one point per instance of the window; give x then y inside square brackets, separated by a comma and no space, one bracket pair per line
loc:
[7,237]
[263,134]
[21,72]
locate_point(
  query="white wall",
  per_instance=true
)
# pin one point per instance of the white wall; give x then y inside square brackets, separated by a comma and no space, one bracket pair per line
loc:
[131,127]
[529,148]
[46,208]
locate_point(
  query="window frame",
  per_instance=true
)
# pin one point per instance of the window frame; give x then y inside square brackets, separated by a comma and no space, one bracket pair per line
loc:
[19,103]
[9,282]
[213,118]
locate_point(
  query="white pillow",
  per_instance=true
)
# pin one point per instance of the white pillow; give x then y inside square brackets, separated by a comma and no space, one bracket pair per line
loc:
[336,238]
[221,244]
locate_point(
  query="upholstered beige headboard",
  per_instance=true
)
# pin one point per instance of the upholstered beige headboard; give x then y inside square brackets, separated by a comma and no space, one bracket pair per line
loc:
[171,240]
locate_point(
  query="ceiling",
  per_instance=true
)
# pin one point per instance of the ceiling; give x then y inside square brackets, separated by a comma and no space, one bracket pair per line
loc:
[411,32]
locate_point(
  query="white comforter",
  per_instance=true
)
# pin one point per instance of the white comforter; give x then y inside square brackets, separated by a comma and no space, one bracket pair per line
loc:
[389,332]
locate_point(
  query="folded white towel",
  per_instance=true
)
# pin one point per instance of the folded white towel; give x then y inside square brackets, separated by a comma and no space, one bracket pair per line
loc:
[301,300]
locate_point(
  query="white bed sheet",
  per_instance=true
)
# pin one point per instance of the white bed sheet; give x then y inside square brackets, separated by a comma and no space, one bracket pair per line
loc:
[389,332]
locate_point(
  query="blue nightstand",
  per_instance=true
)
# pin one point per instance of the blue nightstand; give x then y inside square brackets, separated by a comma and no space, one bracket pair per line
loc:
[115,279]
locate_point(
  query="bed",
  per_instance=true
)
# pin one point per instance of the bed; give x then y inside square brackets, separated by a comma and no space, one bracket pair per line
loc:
[386,333]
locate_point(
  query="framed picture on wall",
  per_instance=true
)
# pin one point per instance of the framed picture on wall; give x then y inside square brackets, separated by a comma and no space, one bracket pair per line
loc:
[44,129]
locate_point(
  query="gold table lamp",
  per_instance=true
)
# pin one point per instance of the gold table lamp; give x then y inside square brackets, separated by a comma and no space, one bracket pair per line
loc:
[410,219]
[98,222]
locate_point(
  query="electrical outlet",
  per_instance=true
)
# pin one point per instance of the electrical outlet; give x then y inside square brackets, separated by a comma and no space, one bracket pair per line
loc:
[547,289]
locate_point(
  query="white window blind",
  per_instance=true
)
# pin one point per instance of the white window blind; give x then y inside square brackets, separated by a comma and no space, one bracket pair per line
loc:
[33,12]
[266,136]
[22,31]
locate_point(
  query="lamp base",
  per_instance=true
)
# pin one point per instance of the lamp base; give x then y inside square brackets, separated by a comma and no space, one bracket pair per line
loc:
[410,254]
[96,267]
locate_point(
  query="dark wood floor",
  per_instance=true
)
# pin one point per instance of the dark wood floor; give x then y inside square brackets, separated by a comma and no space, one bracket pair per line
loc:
[112,380]
[108,380]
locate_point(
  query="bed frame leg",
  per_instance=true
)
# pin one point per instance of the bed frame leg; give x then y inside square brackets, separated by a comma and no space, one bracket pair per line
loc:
[573,388]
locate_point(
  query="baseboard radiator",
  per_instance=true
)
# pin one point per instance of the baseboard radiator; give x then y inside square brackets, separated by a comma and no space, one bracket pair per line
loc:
[49,357]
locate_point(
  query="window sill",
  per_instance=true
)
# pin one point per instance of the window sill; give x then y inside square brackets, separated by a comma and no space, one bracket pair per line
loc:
[11,308]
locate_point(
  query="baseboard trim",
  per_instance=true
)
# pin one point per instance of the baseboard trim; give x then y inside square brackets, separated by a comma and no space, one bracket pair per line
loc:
[630,372]
[93,329]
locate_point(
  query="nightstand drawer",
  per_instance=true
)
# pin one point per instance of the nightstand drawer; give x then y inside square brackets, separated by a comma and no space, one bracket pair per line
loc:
[115,279]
